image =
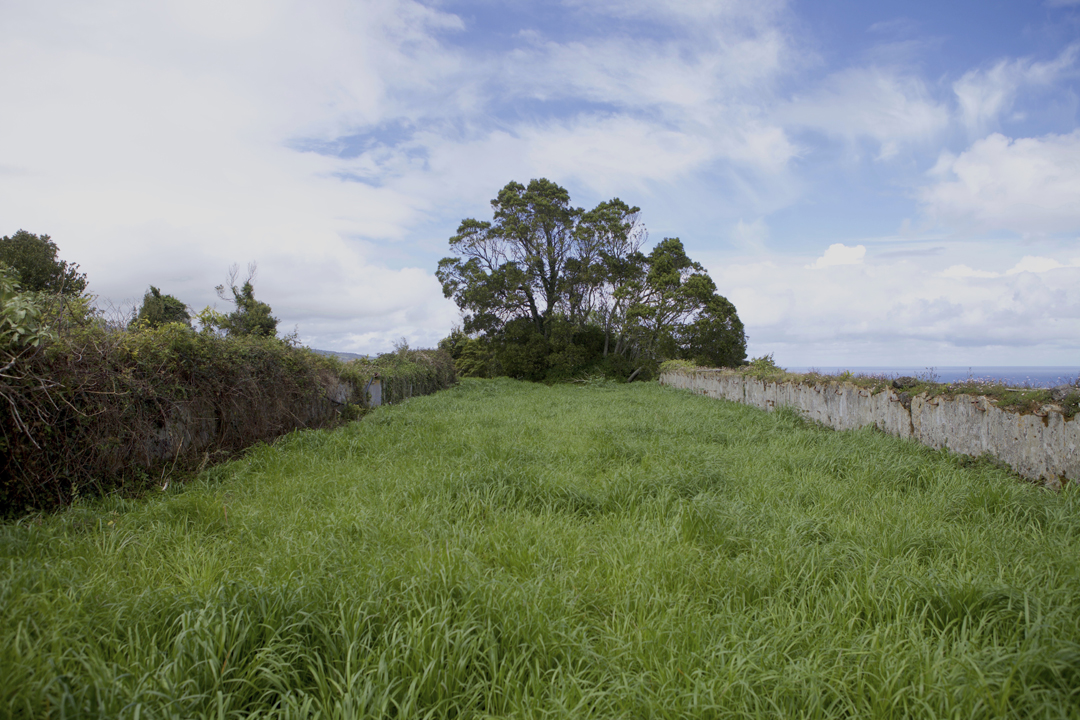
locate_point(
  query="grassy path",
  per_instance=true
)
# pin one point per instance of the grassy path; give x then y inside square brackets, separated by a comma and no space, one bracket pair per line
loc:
[503,549]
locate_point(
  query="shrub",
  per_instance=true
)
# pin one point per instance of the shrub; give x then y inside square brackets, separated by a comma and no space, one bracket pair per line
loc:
[100,410]
[22,315]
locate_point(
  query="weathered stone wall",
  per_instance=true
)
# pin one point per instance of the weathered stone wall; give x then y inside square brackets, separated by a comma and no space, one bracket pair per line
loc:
[196,424]
[1040,447]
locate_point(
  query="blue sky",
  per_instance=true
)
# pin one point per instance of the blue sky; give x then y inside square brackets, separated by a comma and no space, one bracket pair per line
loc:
[869,183]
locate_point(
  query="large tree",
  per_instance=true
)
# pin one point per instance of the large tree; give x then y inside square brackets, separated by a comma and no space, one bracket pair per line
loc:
[674,310]
[34,258]
[573,276]
[536,258]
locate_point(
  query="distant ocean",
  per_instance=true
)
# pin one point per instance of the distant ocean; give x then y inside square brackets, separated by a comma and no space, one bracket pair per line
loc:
[1017,376]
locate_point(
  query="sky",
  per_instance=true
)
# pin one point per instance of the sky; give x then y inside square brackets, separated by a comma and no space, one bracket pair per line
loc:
[871,184]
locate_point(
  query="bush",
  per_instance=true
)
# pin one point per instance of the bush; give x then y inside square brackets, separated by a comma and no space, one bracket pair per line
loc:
[101,411]
[522,352]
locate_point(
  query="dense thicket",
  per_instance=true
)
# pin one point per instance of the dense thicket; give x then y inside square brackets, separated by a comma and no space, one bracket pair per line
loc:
[91,406]
[548,290]
[99,410]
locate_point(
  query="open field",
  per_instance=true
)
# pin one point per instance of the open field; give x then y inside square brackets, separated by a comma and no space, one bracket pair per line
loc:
[505,549]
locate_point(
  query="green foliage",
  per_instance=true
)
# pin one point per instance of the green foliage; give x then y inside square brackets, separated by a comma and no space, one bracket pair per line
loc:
[565,271]
[158,309]
[412,372]
[251,316]
[210,320]
[521,351]
[472,356]
[516,265]
[22,317]
[673,365]
[103,410]
[522,551]
[765,368]
[715,338]
[677,313]
[34,258]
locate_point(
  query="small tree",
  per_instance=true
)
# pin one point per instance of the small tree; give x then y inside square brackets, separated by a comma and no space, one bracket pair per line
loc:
[34,258]
[158,309]
[251,316]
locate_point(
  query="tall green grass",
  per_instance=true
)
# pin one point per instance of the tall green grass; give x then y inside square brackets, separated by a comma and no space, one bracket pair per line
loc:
[512,550]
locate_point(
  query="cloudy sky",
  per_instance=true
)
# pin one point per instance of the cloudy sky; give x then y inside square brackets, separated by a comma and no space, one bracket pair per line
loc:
[870,183]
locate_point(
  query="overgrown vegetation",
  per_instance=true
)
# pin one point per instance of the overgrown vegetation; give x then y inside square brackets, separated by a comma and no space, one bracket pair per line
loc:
[102,410]
[404,373]
[249,316]
[550,292]
[22,317]
[516,550]
[91,406]
[1065,399]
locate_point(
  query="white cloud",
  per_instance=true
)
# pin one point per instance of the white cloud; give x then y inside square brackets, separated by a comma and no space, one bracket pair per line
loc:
[983,95]
[1028,185]
[874,103]
[693,12]
[643,113]
[594,151]
[963,271]
[707,88]
[1034,264]
[839,254]
[902,310]
[151,144]
[1028,263]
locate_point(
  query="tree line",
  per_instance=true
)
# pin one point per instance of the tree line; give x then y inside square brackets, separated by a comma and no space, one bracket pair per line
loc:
[36,284]
[548,290]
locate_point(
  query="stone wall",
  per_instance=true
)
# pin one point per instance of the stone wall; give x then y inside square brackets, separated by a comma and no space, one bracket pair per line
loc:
[1043,447]
[195,425]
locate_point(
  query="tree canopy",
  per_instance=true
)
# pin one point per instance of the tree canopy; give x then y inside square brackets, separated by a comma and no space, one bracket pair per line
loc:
[158,309]
[546,284]
[34,258]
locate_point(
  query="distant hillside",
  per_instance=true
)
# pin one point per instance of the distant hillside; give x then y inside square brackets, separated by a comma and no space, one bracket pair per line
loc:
[342,355]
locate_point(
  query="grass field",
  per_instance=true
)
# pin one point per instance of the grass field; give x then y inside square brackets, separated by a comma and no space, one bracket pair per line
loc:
[504,549]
